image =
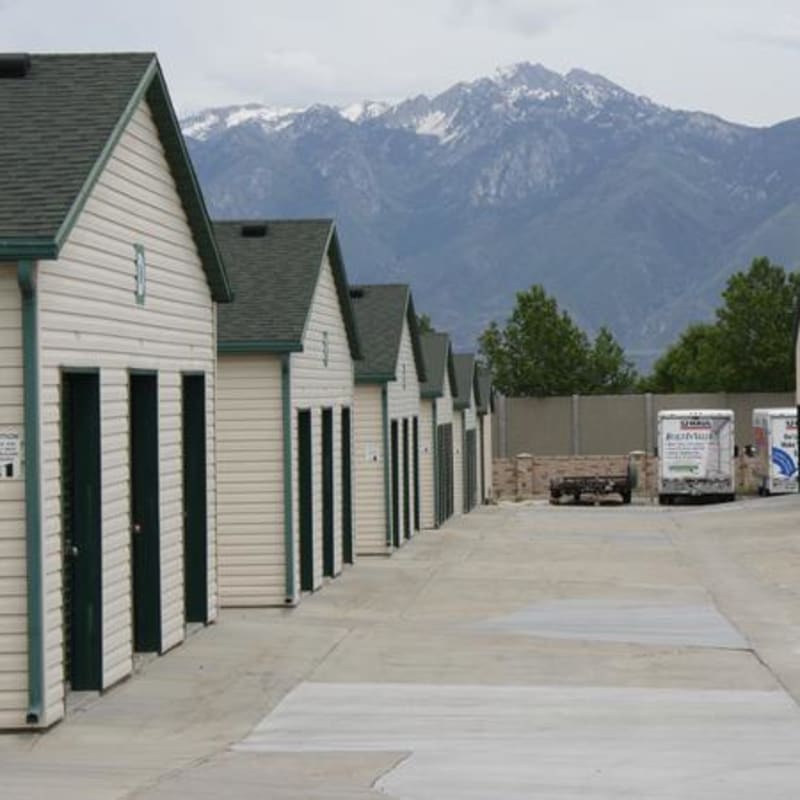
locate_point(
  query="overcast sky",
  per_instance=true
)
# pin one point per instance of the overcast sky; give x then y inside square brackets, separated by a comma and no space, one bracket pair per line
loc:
[736,58]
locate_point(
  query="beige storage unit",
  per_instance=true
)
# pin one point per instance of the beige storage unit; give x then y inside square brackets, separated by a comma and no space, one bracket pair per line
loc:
[387,418]
[109,281]
[485,412]
[436,430]
[286,393]
[466,432]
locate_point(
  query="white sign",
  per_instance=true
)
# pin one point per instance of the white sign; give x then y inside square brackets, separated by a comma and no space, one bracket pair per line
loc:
[372,454]
[9,454]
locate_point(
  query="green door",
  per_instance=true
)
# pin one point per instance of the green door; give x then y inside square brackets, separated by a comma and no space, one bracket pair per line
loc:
[347,489]
[305,480]
[145,522]
[328,528]
[444,444]
[395,485]
[81,530]
[415,461]
[195,500]
[406,482]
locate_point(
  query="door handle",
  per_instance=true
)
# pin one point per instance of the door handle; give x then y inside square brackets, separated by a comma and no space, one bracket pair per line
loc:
[72,551]
[136,528]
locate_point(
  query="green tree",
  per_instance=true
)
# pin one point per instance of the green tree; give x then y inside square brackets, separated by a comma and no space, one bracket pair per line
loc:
[610,371]
[756,325]
[541,352]
[424,323]
[690,365]
[749,348]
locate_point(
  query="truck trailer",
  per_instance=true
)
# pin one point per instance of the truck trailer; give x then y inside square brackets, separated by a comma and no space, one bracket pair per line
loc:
[775,440]
[696,453]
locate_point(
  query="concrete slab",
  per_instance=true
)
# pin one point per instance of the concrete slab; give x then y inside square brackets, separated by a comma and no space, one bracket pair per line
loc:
[601,670]
[603,620]
[549,742]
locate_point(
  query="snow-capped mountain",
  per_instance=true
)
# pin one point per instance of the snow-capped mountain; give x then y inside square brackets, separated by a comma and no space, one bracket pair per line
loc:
[630,212]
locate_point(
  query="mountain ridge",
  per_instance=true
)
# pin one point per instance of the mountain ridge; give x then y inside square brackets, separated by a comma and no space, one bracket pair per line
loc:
[616,204]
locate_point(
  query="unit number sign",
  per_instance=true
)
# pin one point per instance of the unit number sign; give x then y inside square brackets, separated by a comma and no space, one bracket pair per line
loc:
[9,454]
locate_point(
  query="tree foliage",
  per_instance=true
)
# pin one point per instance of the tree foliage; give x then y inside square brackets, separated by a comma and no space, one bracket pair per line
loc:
[749,348]
[541,352]
[425,324]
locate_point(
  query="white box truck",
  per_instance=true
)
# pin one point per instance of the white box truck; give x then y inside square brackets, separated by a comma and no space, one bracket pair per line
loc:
[696,452]
[775,440]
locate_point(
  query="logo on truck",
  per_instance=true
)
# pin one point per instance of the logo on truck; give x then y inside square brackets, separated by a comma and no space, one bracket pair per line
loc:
[696,424]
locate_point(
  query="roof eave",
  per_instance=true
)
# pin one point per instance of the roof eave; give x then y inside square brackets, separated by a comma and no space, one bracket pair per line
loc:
[260,346]
[14,249]
[334,251]
[375,377]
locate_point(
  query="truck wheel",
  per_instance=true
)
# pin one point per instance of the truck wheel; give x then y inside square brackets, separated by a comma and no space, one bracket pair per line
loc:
[665,500]
[626,497]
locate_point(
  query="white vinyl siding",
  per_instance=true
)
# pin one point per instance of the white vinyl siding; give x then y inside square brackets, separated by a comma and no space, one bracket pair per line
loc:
[13,585]
[427,480]
[315,386]
[89,318]
[469,413]
[368,465]
[444,404]
[403,407]
[252,553]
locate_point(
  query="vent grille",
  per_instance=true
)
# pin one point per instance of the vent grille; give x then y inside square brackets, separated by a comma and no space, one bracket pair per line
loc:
[254,231]
[14,65]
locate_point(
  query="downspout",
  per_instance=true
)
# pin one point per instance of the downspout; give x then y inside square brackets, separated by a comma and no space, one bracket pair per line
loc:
[436,487]
[34,547]
[288,477]
[387,479]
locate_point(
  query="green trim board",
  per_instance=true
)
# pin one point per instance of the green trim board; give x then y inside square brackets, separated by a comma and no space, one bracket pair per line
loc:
[376,377]
[34,546]
[260,346]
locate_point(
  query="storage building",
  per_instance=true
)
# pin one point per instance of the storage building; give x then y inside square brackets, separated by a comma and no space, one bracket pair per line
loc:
[387,418]
[285,400]
[436,430]
[485,412]
[109,279]
[465,433]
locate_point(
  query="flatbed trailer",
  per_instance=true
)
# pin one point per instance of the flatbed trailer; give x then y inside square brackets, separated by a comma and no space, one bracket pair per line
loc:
[577,485]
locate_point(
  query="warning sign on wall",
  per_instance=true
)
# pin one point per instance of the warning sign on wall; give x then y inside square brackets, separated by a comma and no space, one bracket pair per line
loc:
[9,454]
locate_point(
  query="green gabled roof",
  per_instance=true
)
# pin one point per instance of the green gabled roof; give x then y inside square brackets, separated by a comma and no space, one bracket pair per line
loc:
[485,395]
[275,276]
[465,379]
[60,123]
[380,310]
[438,355]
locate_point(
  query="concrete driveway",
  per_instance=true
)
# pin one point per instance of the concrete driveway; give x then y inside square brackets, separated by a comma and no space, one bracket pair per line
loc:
[524,651]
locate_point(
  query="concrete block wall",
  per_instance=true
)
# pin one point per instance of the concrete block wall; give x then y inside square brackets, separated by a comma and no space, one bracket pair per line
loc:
[526,475]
